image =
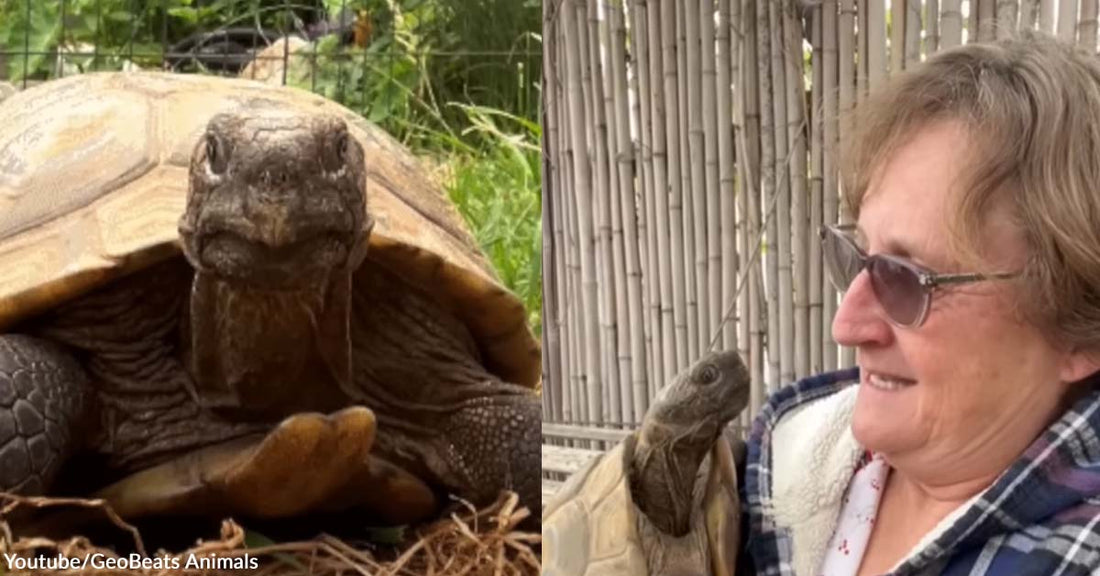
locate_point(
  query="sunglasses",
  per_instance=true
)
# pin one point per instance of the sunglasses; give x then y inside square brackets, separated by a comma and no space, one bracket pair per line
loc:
[903,288]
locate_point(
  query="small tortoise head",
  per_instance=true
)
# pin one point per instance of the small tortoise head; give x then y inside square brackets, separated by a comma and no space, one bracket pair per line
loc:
[713,389]
[276,199]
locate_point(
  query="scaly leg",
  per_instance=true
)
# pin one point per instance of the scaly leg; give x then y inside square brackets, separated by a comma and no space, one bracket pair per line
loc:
[44,396]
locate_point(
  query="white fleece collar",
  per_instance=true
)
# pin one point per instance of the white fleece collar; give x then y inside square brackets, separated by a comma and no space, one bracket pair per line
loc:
[813,458]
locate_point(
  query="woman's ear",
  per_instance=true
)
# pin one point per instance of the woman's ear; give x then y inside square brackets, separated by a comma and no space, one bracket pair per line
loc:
[1078,365]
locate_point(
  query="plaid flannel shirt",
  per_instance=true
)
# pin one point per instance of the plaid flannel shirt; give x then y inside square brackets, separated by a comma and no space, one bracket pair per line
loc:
[1040,517]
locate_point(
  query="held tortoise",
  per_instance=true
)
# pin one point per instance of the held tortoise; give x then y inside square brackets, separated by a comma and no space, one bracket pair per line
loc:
[664,501]
[189,310]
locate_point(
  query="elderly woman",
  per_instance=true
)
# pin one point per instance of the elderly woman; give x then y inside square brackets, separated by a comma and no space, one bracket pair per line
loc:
[971,292]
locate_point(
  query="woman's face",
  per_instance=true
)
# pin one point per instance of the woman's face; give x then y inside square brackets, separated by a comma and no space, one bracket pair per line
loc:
[973,384]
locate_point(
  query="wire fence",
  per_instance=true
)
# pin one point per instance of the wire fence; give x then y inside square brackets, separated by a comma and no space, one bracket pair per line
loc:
[397,62]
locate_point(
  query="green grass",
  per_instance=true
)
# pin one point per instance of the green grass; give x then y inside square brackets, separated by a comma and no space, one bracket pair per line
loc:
[496,186]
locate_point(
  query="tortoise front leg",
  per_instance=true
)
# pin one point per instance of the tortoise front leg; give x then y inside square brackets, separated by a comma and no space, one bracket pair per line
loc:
[497,445]
[44,395]
[294,468]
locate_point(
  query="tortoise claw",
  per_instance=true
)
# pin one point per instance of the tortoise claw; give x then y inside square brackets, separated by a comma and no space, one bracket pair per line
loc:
[295,467]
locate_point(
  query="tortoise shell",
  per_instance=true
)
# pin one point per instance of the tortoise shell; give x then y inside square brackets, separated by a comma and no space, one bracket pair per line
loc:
[593,527]
[93,181]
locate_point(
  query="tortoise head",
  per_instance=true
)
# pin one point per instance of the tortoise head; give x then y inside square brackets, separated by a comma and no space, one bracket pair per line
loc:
[715,389]
[276,200]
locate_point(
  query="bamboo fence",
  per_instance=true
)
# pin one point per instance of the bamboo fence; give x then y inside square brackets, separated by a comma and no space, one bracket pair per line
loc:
[689,162]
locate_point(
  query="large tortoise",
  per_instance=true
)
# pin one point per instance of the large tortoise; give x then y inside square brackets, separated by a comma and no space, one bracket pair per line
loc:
[664,501]
[191,318]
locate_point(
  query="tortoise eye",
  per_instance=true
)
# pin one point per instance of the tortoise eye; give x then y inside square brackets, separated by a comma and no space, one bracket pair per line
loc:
[708,375]
[337,156]
[215,155]
[342,148]
[334,153]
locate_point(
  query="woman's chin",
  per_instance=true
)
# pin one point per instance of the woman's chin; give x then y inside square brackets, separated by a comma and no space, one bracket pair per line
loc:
[882,421]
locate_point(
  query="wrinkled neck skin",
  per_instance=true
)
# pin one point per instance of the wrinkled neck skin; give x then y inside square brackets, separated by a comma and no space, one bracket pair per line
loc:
[666,461]
[263,354]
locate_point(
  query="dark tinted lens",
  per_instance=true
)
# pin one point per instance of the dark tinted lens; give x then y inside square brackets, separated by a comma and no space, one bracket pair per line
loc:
[898,288]
[841,258]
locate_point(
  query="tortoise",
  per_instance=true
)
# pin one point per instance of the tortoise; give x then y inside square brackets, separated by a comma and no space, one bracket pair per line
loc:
[219,296]
[664,500]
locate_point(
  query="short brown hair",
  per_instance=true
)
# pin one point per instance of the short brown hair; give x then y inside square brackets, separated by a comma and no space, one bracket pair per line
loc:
[1031,107]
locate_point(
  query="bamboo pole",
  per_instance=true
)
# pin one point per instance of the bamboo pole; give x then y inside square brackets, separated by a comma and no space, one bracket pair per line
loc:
[589,155]
[773,133]
[551,252]
[1067,20]
[641,35]
[799,225]
[712,211]
[749,172]
[618,356]
[580,395]
[663,186]
[912,32]
[824,81]
[647,239]
[1086,29]
[932,27]
[698,190]
[987,20]
[972,26]
[876,74]
[981,21]
[897,36]
[780,224]
[951,20]
[573,330]
[565,232]
[1046,16]
[618,350]
[863,71]
[876,44]
[838,85]
[610,401]
[729,124]
[1029,14]
[1007,12]
[846,98]
[583,194]
[637,375]
[675,206]
[748,169]
[687,192]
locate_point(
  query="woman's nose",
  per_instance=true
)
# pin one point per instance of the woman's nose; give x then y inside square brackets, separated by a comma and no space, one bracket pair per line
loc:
[860,319]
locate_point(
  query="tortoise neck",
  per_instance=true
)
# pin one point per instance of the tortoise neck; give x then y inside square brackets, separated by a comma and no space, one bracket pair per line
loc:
[664,471]
[267,354]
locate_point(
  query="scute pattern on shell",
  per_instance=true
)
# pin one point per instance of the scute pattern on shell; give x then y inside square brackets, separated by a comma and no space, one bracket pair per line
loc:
[589,529]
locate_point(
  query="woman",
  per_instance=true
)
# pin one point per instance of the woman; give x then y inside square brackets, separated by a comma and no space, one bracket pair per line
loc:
[971,444]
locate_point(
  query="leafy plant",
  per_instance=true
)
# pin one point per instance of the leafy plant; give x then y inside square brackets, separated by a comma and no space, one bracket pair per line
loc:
[497,190]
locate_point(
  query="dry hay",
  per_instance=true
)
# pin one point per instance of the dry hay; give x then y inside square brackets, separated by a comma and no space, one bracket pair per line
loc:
[483,542]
